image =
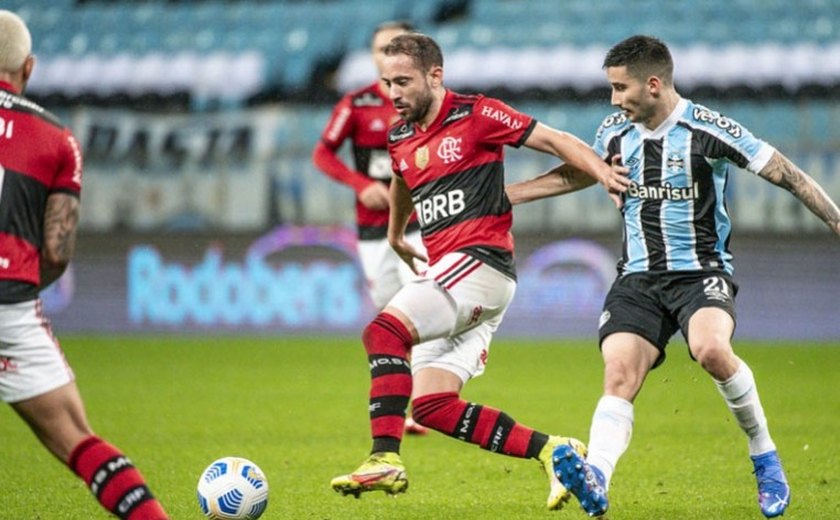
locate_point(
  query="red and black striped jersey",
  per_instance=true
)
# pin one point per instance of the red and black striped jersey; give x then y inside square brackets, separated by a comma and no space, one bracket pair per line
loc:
[455,172]
[364,116]
[38,156]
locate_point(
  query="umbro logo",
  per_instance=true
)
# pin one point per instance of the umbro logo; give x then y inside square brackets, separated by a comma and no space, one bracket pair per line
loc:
[675,162]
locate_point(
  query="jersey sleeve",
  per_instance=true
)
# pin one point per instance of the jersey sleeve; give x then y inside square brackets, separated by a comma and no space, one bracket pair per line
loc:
[728,139]
[501,124]
[395,167]
[340,124]
[599,145]
[750,152]
[604,144]
[68,178]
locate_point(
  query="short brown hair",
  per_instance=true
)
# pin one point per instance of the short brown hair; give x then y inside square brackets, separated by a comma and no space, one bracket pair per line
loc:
[424,51]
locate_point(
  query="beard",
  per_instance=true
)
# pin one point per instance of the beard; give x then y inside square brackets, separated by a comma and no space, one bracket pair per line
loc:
[641,112]
[420,109]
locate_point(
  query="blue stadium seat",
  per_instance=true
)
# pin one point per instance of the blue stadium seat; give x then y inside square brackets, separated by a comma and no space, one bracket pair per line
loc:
[38,5]
[421,13]
[177,19]
[297,71]
[294,38]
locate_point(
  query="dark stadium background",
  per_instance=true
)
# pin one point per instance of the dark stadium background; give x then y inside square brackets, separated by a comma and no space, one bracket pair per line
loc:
[203,213]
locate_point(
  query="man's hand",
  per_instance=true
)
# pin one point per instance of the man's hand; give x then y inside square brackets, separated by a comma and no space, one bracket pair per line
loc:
[375,196]
[616,181]
[408,253]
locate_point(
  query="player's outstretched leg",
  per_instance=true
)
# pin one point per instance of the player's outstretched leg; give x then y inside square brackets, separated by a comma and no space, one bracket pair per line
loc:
[773,488]
[584,481]
[558,495]
[495,431]
[382,471]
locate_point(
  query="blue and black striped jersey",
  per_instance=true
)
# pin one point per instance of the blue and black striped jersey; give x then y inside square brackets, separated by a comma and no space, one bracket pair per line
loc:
[675,215]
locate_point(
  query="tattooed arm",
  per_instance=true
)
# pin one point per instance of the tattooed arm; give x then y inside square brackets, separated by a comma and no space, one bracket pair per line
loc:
[60,220]
[557,181]
[783,173]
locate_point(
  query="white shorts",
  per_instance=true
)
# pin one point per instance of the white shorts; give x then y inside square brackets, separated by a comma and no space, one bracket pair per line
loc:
[31,361]
[384,270]
[455,309]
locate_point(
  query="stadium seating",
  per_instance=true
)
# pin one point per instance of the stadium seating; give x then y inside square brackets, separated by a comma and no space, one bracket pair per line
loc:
[516,44]
[220,54]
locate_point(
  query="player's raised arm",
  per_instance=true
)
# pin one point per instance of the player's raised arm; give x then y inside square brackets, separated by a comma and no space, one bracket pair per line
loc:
[579,155]
[783,173]
[559,180]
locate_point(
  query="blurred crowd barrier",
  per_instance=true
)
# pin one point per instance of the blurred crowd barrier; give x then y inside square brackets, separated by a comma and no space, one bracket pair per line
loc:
[247,170]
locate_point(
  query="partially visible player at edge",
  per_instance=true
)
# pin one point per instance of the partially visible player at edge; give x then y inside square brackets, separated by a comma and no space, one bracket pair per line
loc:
[676,269]
[40,182]
[363,116]
[447,154]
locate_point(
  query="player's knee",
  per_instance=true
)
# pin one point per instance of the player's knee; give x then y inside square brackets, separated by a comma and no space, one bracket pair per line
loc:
[386,334]
[433,410]
[711,352]
[622,379]
[369,333]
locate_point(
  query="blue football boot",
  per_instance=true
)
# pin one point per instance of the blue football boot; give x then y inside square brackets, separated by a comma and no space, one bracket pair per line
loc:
[773,488]
[586,482]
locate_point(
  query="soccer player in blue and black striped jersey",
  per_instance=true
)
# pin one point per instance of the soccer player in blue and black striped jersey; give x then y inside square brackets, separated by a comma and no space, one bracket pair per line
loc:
[676,269]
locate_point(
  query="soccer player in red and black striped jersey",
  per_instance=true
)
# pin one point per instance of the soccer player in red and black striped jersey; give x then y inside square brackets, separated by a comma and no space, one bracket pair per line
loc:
[447,155]
[40,182]
[363,117]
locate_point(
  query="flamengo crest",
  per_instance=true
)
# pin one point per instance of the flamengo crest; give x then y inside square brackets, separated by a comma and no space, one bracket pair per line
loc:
[450,149]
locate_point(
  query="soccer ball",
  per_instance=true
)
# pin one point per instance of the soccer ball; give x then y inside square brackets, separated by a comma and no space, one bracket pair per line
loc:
[233,488]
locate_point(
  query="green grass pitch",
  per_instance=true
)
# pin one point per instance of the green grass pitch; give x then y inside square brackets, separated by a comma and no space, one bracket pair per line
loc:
[297,406]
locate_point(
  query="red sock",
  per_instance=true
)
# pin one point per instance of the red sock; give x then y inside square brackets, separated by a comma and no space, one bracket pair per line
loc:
[491,429]
[388,343]
[114,481]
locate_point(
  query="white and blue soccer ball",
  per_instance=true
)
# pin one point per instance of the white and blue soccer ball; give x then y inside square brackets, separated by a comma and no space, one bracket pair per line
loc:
[233,488]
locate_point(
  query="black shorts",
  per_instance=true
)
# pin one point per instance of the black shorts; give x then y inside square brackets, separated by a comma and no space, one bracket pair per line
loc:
[655,305]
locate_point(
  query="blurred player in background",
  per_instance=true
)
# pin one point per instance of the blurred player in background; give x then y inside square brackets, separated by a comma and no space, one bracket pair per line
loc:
[447,154]
[363,116]
[676,269]
[40,182]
